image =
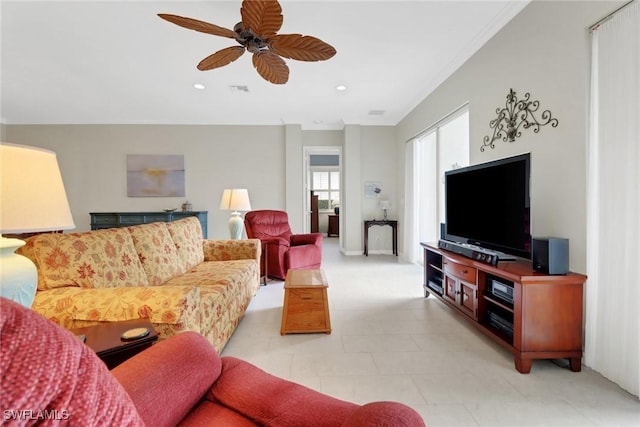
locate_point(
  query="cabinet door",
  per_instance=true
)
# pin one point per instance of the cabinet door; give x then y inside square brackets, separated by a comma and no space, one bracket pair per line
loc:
[451,290]
[99,221]
[468,299]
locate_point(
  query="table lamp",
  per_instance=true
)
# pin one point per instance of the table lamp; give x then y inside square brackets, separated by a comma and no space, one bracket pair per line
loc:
[385,205]
[32,200]
[236,199]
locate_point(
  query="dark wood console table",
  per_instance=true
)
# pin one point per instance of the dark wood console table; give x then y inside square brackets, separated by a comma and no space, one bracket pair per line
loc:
[394,229]
[531,314]
[333,228]
[101,220]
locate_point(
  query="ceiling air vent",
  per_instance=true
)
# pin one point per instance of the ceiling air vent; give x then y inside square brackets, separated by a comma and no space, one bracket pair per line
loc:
[239,88]
[376,112]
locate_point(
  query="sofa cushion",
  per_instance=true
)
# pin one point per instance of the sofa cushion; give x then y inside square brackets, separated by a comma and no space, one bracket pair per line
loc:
[164,304]
[100,259]
[235,273]
[384,414]
[295,405]
[227,279]
[156,251]
[213,414]
[58,304]
[187,236]
[46,368]
[167,380]
[225,293]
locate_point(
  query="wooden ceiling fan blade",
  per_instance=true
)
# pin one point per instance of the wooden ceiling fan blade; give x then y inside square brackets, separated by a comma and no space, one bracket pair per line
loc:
[301,48]
[264,18]
[271,67]
[201,26]
[221,58]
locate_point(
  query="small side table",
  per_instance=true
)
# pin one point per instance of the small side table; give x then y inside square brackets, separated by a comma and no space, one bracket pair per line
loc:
[105,340]
[306,307]
[264,259]
[333,226]
[394,229]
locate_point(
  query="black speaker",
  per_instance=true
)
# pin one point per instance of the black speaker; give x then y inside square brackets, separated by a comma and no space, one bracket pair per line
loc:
[550,255]
[443,230]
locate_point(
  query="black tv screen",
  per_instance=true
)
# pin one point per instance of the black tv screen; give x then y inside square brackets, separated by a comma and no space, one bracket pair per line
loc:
[488,205]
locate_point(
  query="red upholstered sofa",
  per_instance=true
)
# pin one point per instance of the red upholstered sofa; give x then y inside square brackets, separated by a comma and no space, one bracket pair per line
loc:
[47,374]
[283,249]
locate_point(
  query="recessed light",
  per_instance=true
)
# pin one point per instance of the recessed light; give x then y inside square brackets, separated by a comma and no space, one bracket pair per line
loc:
[341,88]
[198,86]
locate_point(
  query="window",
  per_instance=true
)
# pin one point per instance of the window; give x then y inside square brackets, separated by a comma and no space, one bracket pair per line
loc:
[444,146]
[326,185]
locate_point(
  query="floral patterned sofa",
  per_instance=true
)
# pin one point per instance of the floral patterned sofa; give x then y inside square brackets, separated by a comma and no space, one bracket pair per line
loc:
[165,272]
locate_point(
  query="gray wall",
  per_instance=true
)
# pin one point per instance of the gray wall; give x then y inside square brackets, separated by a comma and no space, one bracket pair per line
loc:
[545,51]
[267,160]
[93,164]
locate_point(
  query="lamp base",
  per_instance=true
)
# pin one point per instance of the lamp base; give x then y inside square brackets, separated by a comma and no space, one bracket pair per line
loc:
[18,274]
[236,226]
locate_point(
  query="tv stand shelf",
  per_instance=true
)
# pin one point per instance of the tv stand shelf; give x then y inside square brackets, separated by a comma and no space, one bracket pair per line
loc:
[533,315]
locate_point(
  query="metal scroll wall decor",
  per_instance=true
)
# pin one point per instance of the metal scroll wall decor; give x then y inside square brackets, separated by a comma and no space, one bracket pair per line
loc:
[516,114]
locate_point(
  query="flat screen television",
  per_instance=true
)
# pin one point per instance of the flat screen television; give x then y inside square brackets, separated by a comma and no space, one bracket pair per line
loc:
[488,205]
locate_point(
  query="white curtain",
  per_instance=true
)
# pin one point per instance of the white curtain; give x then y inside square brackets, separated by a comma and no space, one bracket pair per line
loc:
[427,157]
[421,196]
[612,331]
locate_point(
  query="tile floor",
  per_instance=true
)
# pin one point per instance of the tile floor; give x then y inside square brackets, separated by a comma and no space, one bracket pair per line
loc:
[390,343]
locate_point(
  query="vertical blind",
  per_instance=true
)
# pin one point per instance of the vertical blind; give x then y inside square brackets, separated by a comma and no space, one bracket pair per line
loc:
[612,337]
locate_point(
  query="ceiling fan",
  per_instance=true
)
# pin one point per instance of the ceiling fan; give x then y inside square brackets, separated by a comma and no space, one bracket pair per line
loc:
[257,33]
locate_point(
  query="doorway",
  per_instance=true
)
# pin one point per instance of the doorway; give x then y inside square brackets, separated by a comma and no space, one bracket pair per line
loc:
[323,175]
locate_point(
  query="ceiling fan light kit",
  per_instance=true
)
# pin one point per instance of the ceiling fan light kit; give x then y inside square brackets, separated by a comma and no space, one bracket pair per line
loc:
[257,33]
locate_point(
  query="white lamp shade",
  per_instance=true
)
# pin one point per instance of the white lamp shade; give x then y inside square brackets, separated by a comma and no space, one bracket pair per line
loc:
[224,201]
[385,204]
[33,198]
[235,199]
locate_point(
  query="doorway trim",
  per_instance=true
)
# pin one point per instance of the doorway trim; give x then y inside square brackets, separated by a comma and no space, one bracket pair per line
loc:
[307,151]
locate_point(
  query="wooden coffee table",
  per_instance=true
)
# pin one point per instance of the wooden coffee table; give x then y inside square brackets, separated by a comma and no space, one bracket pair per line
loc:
[105,339]
[306,307]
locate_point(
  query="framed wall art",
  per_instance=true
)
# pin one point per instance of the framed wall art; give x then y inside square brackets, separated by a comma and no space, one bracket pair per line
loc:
[371,189]
[151,175]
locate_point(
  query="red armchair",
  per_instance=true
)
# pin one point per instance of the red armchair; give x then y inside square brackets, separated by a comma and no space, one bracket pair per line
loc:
[48,374]
[282,249]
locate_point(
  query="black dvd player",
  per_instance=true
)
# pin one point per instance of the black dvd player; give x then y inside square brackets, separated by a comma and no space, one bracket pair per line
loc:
[435,283]
[501,290]
[501,324]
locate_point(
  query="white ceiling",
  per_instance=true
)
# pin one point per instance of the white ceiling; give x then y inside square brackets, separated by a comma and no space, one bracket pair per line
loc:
[108,62]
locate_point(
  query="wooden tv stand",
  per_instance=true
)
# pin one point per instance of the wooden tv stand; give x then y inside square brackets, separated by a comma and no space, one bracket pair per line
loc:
[533,315]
